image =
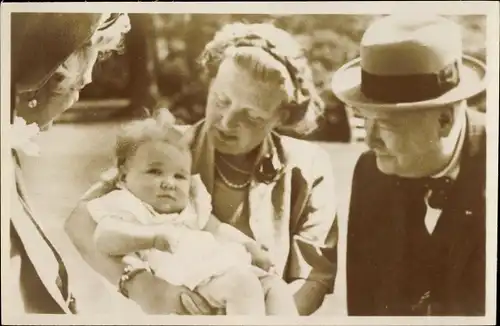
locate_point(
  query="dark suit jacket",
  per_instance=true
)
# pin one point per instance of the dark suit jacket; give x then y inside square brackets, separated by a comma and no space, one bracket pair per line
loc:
[378,263]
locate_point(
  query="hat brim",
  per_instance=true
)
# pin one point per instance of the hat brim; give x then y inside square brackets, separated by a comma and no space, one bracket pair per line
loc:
[346,85]
[41,42]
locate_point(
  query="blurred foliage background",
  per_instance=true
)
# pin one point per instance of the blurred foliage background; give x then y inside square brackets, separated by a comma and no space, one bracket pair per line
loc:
[159,67]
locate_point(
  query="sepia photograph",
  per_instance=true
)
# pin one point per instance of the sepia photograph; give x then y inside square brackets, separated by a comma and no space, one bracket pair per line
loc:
[249,163]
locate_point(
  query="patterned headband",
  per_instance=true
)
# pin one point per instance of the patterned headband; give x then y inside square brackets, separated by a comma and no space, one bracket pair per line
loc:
[254,40]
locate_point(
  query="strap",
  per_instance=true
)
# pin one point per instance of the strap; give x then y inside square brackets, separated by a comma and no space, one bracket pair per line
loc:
[62,281]
[63,284]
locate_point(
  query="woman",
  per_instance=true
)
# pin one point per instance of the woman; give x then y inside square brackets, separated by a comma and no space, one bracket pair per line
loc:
[52,58]
[275,189]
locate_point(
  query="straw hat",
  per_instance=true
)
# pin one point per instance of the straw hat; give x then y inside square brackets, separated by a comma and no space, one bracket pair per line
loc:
[409,62]
[40,42]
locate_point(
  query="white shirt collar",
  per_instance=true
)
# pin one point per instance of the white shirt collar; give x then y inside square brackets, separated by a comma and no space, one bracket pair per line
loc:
[453,167]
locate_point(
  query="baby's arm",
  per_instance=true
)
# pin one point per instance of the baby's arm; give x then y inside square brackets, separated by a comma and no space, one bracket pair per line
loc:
[121,228]
[116,236]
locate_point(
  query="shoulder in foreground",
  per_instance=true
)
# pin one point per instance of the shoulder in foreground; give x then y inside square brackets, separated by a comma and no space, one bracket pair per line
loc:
[366,165]
[367,159]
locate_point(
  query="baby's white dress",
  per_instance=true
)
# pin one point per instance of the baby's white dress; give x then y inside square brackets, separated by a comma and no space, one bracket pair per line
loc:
[196,256]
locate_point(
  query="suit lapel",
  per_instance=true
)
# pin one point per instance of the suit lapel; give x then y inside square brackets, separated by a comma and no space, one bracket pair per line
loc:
[35,246]
[269,199]
[261,213]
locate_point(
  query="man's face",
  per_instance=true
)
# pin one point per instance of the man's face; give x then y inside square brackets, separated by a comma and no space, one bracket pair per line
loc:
[241,110]
[407,144]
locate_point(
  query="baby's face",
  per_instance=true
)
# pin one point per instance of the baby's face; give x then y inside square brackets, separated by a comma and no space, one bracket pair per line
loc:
[160,175]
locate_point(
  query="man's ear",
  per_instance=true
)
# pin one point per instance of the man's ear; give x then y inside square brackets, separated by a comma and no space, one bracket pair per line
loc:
[446,121]
[284,116]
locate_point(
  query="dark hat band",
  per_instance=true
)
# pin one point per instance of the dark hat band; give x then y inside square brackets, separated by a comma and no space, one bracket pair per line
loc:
[410,88]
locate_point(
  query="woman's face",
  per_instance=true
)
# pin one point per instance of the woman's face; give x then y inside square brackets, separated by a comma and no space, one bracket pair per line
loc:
[241,110]
[63,88]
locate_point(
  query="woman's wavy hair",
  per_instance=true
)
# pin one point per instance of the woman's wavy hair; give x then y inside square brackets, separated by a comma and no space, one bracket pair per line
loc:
[305,104]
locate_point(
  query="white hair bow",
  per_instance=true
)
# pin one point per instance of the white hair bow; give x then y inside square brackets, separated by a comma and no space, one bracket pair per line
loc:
[23,137]
[111,37]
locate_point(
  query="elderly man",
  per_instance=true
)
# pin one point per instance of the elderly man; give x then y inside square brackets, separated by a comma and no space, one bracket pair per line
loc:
[416,230]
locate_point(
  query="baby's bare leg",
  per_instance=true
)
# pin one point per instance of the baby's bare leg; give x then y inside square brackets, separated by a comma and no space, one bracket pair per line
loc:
[239,290]
[279,297]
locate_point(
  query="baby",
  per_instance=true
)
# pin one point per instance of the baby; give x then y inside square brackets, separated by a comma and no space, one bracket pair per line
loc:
[162,213]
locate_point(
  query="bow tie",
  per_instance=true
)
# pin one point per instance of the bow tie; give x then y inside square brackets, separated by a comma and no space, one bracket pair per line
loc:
[439,188]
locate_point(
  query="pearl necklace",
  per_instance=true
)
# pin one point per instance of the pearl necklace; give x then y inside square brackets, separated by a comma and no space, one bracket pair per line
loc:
[229,183]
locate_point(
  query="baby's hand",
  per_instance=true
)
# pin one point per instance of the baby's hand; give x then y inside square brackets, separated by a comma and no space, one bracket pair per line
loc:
[164,239]
[161,243]
[260,256]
